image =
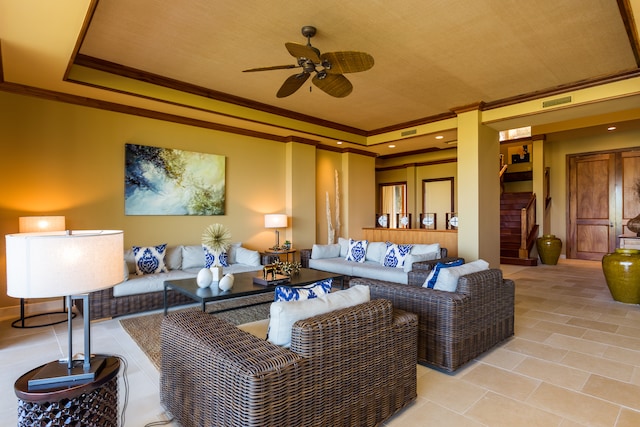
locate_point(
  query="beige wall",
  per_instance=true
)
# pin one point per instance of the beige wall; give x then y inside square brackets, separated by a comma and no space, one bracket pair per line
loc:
[63,159]
[413,174]
[356,190]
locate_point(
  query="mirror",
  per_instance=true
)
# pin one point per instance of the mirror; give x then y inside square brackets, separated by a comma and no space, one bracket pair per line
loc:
[393,200]
[438,198]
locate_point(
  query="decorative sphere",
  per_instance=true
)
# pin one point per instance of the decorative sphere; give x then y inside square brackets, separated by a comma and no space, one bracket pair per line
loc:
[226,283]
[204,278]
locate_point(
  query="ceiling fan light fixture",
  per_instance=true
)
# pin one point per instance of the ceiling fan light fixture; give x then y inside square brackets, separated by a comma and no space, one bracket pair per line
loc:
[330,79]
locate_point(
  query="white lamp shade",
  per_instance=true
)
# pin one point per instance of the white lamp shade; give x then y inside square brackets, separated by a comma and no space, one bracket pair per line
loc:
[275,221]
[43,265]
[31,224]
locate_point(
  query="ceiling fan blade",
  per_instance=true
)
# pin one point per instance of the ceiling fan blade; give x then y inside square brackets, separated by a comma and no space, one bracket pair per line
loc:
[292,84]
[347,62]
[275,67]
[334,84]
[303,51]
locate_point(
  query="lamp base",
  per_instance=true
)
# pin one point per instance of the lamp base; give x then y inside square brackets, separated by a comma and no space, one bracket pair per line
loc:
[58,374]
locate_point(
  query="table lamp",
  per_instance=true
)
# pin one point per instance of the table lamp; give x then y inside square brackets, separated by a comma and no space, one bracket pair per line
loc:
[275,221]
[31,224]
[65,264]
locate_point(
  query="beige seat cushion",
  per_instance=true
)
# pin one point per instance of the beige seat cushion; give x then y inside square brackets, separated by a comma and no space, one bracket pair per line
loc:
[258,328]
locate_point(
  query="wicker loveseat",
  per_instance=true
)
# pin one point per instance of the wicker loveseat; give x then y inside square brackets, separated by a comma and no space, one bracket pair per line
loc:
[351,367]
[454,327]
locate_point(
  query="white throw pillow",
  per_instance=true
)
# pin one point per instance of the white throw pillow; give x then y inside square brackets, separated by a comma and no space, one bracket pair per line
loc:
[231,252]
[247,257]
[173,257]
[150,259]
[192,257]
[433,248]
[376,251]
[395,255]
[357,250]
[410,259]
[325,251]
[448,277]
[284,314]
[344,246]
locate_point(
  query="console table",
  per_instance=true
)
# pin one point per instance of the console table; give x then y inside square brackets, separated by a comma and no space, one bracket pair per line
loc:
[447,238]
[93,403]
[629,242]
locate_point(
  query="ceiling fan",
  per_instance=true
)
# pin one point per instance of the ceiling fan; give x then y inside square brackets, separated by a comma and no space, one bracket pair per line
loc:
[328,67]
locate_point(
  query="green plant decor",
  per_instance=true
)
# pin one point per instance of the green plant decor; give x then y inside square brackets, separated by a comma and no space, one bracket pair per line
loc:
[216,237]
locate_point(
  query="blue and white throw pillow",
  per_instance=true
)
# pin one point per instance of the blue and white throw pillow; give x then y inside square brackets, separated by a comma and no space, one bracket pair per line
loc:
[357,250]
[210,256]
[433,276]
[299,293]
[395,255]
[149,259]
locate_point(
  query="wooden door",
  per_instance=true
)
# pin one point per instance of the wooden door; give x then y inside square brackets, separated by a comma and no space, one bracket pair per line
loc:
[601,199]
[590,231]
[630,174]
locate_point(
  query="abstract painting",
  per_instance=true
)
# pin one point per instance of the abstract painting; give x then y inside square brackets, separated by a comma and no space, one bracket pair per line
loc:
[165,181]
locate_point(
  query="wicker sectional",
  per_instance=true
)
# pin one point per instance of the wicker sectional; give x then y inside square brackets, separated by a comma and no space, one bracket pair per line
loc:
[454,327]
[350,367]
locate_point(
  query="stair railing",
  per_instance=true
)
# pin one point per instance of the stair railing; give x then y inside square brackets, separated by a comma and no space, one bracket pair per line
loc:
[527,224]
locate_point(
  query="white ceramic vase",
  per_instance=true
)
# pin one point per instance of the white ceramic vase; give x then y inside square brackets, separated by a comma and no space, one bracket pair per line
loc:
[216,273]
[226,283]
[204,278]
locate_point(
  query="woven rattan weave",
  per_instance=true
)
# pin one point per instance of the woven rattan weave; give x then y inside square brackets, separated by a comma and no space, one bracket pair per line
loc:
[350,367]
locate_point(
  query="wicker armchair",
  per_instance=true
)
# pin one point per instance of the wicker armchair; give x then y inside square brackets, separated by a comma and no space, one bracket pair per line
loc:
[454,327]
[351,367]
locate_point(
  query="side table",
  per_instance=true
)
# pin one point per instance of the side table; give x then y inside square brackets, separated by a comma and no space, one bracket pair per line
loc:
[279,252]
[93,403]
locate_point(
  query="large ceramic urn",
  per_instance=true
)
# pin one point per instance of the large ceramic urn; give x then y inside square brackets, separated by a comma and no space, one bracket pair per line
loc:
[622,273]
[549,248]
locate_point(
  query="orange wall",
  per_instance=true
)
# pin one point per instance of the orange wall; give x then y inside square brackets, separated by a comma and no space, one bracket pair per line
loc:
[63,159]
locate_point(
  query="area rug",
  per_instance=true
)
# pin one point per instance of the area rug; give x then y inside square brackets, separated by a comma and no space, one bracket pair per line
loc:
[145,329]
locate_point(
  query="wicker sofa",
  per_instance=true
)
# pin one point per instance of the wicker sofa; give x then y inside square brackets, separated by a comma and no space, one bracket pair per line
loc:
[453,327]
[371,267]
[350,367]
[143,293]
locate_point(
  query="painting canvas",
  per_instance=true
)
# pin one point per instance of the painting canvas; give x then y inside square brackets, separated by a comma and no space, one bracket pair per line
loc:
[164,181]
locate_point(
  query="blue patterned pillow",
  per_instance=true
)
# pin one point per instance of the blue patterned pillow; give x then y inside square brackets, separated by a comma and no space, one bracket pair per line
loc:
[149,260]
[433,276]
[357,250]
[209,257]
[395,255]
[299,293]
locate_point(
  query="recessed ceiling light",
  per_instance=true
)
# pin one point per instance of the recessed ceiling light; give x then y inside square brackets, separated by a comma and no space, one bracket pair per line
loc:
[392,146]
[439,137]
[610,128]
[339,143]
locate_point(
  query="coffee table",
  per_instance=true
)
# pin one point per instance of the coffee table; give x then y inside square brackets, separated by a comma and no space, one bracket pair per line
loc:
[242,286]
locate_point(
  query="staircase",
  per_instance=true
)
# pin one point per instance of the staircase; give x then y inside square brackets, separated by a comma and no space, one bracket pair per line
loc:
[518,229]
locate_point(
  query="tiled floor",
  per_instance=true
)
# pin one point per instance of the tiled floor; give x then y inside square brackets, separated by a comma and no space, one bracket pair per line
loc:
[574,361]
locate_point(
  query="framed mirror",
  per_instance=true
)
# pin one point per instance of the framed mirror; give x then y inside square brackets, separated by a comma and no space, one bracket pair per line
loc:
[393,200]
[438,198]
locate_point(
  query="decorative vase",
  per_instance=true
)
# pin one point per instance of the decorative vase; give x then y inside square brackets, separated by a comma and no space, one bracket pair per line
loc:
[216,273]
[549,248]
[622,273]
[204,278]
[634,225]
[226,283]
